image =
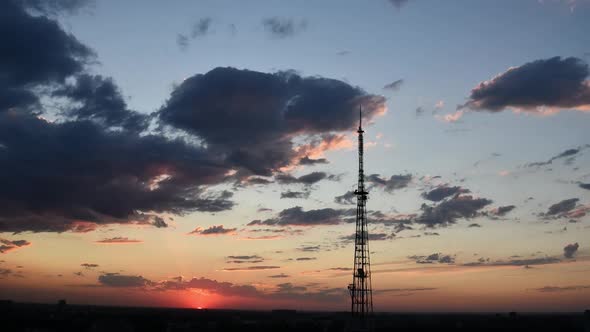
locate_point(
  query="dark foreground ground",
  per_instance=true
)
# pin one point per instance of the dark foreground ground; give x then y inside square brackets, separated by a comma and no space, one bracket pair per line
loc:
[44,317]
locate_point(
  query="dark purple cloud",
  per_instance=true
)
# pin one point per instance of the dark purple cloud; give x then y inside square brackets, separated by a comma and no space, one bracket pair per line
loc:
[98,98]
[347,199]
[559,83]
[306,161]
[371,236]
[569,155]
[562,207]
[97,168]
[447,212]
[99,165]
[389,185]
[307,179]
[570,250]
[209,285]
[250,118]
[213,230]
[119,280]
[295,194]
[97,176]
[433,258]
[36,52]
[309,248]
[296,216]
[441,192]
[10,245]
[503,210]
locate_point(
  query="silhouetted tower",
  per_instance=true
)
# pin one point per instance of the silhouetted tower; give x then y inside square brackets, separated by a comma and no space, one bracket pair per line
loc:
[361,293]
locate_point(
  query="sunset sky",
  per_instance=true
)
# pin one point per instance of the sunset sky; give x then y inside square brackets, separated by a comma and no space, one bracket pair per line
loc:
[202,153]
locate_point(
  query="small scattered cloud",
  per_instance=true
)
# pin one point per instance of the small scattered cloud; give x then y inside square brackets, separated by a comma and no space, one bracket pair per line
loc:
[347,199]
[448,211]
[118,240]
[340,269]
[443,191]
[281,27]
[305,258]
[11,245]
[395,182]
[295,194]
[256,181]
[119,280]
[569,155]
[306,161]
[433,258]
[570,250]
[562,207]
[307,179]
[201,27]
[394,86]
[244,259]
[182,41]
[556,289]
[89,265]
[296,216]
[213,230]
[279,276]
[159,222]
[527,262]
[419,111]
[371,236]
[309,248]
[502,210]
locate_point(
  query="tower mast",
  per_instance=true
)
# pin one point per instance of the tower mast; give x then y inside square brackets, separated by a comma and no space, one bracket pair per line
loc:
[361,293]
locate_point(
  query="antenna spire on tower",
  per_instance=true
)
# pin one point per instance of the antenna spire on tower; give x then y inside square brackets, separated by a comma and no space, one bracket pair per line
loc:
[360,130]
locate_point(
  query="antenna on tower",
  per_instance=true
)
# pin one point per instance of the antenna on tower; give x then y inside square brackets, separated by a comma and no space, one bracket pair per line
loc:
[360,130]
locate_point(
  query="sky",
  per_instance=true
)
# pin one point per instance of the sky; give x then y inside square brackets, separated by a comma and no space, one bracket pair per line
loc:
[202,154]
